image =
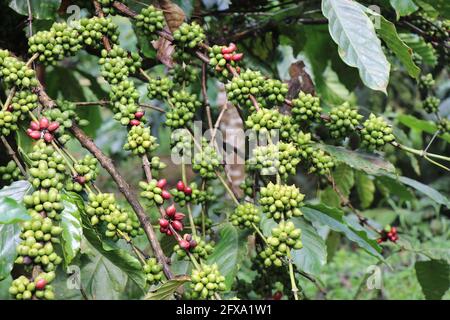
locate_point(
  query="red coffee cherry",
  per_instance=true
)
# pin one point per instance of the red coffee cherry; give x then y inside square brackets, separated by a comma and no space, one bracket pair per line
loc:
[40,284]
[171,210]
[165,194]
[164,223]
[161,183]
[43,123]
[177,225]
[180,186]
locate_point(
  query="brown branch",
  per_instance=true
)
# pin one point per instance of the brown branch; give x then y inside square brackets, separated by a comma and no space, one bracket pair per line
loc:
[125,189]
[205,97]
[99,13]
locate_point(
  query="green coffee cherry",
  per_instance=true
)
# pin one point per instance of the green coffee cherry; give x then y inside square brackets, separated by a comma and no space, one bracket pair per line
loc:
[271,257]
[431,104]
[123,93]
[375,133]
[140,141]
[426,82]
[153,271]
[320,162]
[23,288]
[159,88]
[116,64]
[184,74]
[14,72]
[151,192]
[285,237]
[241,87]
[107,6]
[8,122]
[444,125]
[92,31]
[23,102]
[206,161]
[306,108]
[156,165]
[281,201]
[150,20]
[271,122]
[87,171]
[275,91]
[183,108]
[10,173]
[245,215]
[343,121]
[247,186]
[206,282]
[189,35]
[208,224]
[181,143]
[201,250]
[45,202]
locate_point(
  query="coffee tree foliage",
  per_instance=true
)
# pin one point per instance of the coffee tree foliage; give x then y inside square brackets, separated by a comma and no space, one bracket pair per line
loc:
[348,101]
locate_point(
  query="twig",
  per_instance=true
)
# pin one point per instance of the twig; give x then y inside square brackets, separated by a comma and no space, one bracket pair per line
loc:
[13,155]
[205,97]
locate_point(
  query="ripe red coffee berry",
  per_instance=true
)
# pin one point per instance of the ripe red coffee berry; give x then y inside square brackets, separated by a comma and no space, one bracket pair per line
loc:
[34,125]
[171,210]
[135,122]
[163,230]
[139,114]
[43,123]
[80,179]
[48,137]
[180,186]
[177,225]
[36,135]
[179,216]
[169,232]
[53,126]
[227,56]
[40,284]
[161,183]
[164,223]
[192,244]
[232,47]
[165,194]
[277,296]
[237,56]
[184,244]
[187,191]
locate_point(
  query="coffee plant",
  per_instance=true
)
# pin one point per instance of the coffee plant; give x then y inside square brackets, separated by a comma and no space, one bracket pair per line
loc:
[224,151]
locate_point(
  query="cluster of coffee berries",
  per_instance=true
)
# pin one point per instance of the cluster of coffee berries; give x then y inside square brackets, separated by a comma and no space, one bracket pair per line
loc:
[154,191]
[343,120]
[47,168]
[10,172]
[44,202]
[172,221]
[140,141]
[388,233]
[206,161]
[375,133]
[183,107]
[245,215]
[248,185]
[198,247]
[153,271]
[55,44]
[94,29]
[270,122]
[319,161]
[87,171]
[189,35]
[8,122]
[36,247]
[275,91]
[281,201]
[102,207]
[117,64]
[241,87]
[431,104]
[128,114]
[124,93]
[206,282]
[281,158]
[182,144]
[159,88]
[183,194]
[107,6]
[222,56]
[14,72]
[23,288]
[271,257]
[426,82]
[156,166]
[284,238]
[42,129]
[306,107]
[184,74]
[150,20]
[444,125]
[199,221]
[23,102]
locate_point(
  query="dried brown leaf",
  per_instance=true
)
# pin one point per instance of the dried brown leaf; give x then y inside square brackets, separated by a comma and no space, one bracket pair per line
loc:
[173,13]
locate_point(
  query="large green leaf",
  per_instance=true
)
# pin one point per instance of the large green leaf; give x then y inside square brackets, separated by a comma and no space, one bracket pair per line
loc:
[12,212]
[313,255]
[389,35]
[167,289]
[227,253]
[334,218]
[344,178]
[369,163]
[419,46]
[16,190]
[403,7]
[9,239]
[441,6]
[421,125]
[426,190]
[40,9]
[365,188]
[434,278]
[72,230]
[358,43]
[389,185]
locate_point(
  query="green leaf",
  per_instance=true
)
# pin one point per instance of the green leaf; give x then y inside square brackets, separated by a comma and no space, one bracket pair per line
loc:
[12,212]
[426,190]
[403,7]
[344,178]
[72,230]
[167,289]
[227,253]
[388,34]
[329,197]
[332,244]
[369,163]
[389,185]
[359,46]
[421,125]
[441,6]
[383,216]
[365,188]
[9,239]
[434,278]
[334,218]
[4,288]
[16,190]
[313,255]
[419,46]
[40,9]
